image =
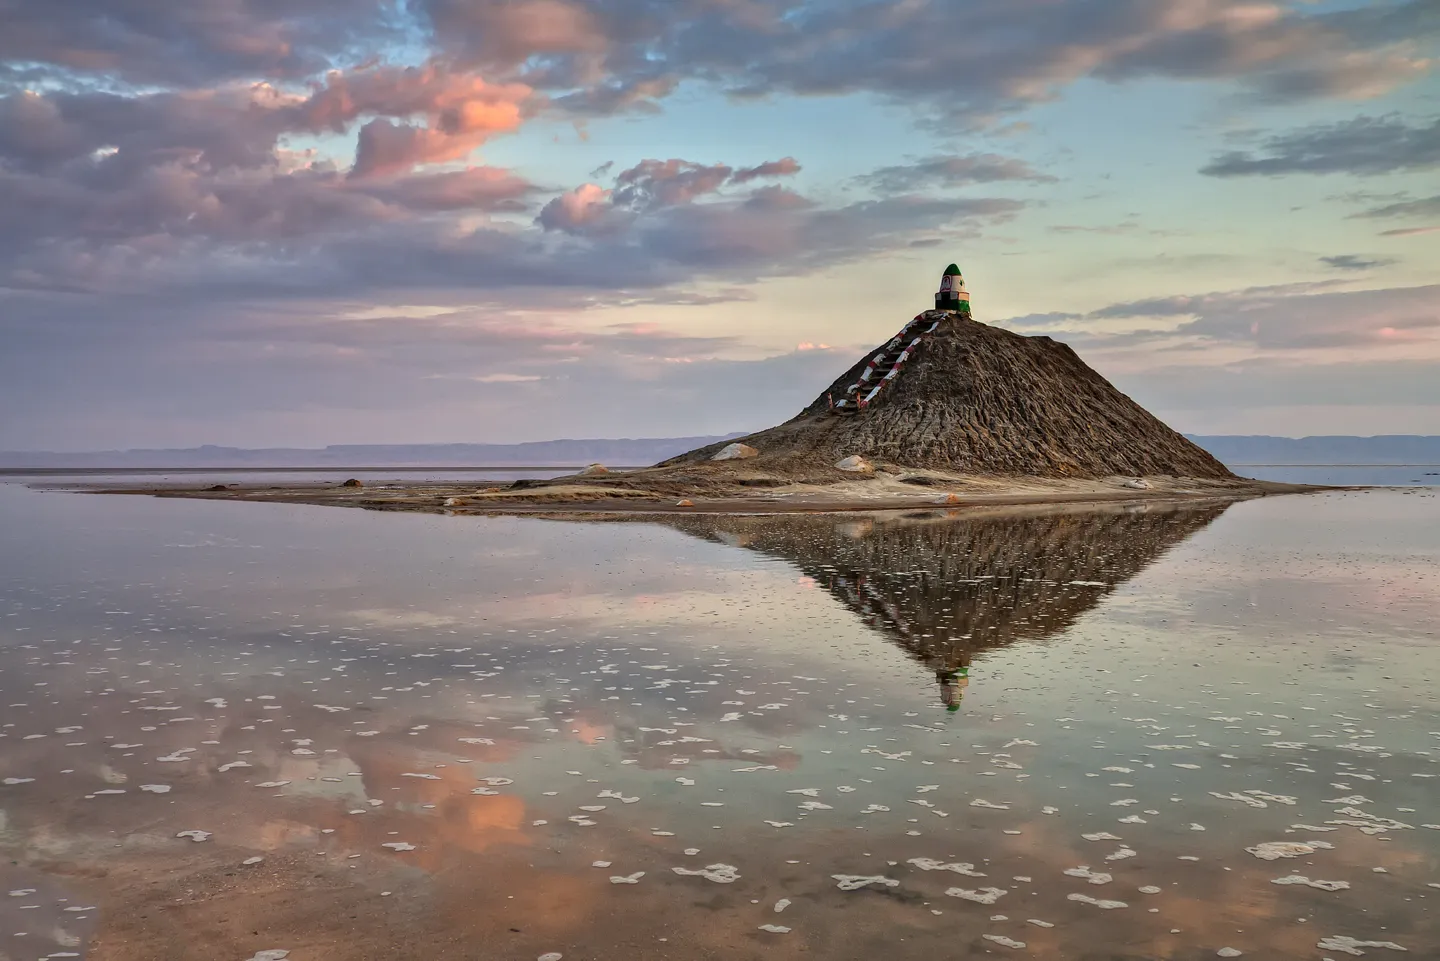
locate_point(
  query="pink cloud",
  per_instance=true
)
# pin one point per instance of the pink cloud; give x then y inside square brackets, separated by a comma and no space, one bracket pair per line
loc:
[578,210]
[456,112]
[784,167]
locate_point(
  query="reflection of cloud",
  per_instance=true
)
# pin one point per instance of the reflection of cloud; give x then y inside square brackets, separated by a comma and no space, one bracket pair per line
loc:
[401,619]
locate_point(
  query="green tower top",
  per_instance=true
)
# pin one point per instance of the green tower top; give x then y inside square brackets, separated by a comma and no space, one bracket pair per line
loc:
[952,270]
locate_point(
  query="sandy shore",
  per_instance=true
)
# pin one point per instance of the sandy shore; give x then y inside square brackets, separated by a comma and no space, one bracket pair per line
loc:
[733,490]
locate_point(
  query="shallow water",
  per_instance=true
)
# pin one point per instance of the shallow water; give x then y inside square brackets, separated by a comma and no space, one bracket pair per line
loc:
[1346,475]
[428,729]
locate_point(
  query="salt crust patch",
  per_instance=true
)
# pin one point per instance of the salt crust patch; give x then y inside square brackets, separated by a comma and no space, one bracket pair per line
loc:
[929,864]
[982,896]
[1348,945]
[1273,850]
[1322,885]
[853,882]
[1104,905]
[1002,940]
[1094,877]
[719,873]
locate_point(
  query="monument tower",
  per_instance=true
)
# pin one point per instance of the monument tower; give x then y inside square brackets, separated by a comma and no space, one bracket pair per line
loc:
[952,294]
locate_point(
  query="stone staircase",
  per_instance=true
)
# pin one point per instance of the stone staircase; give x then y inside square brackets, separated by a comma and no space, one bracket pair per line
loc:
[886,365]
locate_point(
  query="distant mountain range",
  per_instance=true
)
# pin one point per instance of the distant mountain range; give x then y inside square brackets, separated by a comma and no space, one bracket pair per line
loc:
[1382,449]
[1234,450]
[626,452]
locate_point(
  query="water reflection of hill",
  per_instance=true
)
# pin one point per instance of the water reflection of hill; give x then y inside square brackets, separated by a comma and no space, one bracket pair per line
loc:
[944,586]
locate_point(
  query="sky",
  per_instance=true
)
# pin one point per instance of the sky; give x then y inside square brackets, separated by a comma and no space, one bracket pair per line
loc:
[307,222]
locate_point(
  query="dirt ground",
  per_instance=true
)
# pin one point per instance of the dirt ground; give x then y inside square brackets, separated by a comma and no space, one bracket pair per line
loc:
[735,488]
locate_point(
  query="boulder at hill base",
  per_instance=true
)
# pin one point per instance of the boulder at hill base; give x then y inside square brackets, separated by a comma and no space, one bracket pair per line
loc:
[952,394]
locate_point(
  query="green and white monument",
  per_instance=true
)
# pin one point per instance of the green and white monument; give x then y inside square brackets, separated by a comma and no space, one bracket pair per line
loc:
[952,294]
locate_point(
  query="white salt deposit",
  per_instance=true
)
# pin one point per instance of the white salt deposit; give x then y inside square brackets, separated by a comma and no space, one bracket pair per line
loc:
[928,864]
[1322,885]
[1103,905]
[719,873]
[854,882]
[1094,877]
[982,896]
[1273,850]
[1348,945]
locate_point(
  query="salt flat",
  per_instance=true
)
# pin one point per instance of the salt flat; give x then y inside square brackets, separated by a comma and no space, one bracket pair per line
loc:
[1179,730]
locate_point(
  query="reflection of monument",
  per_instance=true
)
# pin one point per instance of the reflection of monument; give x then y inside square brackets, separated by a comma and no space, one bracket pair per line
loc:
[945,587]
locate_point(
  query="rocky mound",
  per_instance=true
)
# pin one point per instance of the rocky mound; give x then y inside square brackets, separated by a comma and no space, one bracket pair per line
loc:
[974,399]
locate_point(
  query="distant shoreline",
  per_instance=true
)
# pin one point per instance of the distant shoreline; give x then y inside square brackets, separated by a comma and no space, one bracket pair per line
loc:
[339,469]
[478,469]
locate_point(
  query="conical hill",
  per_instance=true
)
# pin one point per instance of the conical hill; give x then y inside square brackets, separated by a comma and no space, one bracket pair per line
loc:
[969,398]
